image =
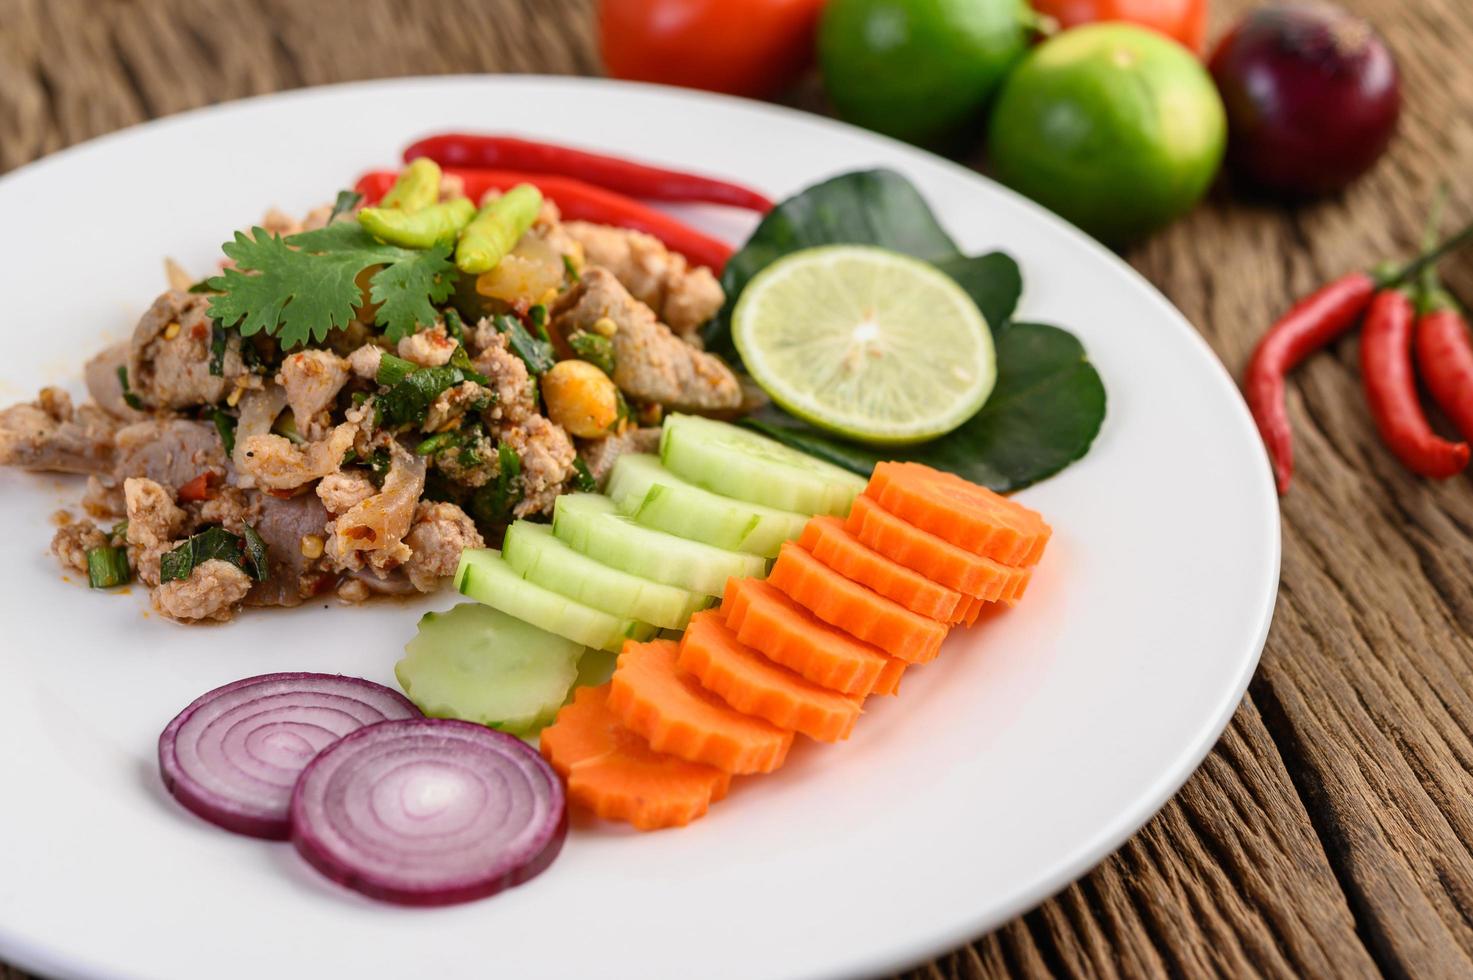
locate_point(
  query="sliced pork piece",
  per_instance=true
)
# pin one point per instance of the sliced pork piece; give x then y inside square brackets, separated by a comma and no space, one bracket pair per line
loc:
[372,533]
[48,434]
[439,534]
[168,451]
[272,462]
[104,384]
[169,356]
[312,380]
[682,296]
[600,454]
[651,364]
[294,530]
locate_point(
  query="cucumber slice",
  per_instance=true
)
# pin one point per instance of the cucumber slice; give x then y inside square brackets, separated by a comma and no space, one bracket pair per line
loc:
[481,665]
[657,498]
[485,577]
[591,524]
[739,463]
[537,556]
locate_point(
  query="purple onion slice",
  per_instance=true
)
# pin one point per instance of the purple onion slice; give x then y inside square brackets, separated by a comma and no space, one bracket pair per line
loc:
[234,755]
[429,812]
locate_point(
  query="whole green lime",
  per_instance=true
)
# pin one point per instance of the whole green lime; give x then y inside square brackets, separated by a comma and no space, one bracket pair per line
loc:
[919,70]
[1116,128]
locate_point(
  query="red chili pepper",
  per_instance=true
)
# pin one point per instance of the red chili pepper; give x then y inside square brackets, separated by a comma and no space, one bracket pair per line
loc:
[609,172]
[1309,325]
[1391,390]
[1444,349]
[579,202]
[197,489]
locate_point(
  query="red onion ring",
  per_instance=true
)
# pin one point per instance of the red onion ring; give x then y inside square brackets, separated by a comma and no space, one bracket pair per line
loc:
[234,754]
[429,812]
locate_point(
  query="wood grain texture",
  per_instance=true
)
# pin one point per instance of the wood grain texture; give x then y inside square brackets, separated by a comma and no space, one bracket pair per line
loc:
[1329,832]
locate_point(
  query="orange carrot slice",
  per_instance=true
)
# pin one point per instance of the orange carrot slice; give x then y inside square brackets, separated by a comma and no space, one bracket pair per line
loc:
[826,539]
[613,772]
[751,683]
[937,559]
[855,608]
[967,515]
[889,680]
[670,709]
[764,618]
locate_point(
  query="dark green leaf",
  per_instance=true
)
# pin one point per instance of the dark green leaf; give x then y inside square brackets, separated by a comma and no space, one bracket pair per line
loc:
[408,401]
[225,425]
[994,282]
[492,504]
[215,542]
[257,564]
[1043,415]
[346,201]
[218,342]
[583,480]
[460,358]
[536,354]
[596,350]
[107,567]
[454,325]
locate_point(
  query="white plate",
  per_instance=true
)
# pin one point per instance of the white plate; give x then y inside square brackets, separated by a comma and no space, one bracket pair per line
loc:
[1033,747]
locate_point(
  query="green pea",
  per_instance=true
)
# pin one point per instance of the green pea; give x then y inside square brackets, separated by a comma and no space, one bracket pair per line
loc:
[496,228]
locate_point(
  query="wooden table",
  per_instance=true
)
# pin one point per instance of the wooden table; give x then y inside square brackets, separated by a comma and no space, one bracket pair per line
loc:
[1330,832]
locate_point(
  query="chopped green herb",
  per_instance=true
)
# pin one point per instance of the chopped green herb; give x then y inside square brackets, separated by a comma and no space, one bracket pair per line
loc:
[218,343]
[492,504]
[392,370]
[378,463]
[346,201]
[536,354]
[408,401]
[596,350]
[437,442]
[257,564]
[107,567]
[132,400]
[583,480]
[454,325]
[538,316]
[571,269]
[358,397]
[286,427]
[225,425]
[459,358]
[203,286]
[301,288]
[624,412]
[212,543]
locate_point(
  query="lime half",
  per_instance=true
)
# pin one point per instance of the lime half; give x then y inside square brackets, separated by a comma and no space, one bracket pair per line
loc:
[867,343]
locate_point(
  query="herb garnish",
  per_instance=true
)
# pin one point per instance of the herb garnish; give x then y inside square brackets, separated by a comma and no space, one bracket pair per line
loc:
[218,339]
[107,567]
[583,480]
[492,504]
[345,202]
[129,398]
[246,553]
[536,354]
[409,400]
[596,350]
[300,288]
[225,425]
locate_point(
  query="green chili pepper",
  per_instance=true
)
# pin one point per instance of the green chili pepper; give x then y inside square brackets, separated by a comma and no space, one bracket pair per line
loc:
[417,188]
[420,229]
[496,228]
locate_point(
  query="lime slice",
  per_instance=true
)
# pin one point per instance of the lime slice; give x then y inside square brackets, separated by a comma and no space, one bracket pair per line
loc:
[867,343]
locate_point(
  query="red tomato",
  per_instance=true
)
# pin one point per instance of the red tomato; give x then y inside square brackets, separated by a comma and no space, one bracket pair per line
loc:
[1185,20]
[744,47]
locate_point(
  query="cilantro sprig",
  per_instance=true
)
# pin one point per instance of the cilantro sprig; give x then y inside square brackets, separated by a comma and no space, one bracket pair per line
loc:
[300,288]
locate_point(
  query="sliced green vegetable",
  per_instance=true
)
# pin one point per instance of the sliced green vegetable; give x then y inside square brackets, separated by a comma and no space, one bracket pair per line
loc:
[536,354]
[417,187]
[437,442]
[107,567]
[495,229]
[392,370]
[418,229]
[596,350]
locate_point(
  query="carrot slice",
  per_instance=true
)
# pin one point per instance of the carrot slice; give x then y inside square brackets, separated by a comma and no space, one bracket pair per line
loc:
[826,539]
[749,682]
[855,608]
[613,772]
[670,709]
[764,618]
[889,680]
[937,559]
[967,515]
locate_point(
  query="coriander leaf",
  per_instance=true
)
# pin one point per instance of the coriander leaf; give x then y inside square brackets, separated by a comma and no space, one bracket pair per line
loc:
[1043,414]
[536,354]
[409,290]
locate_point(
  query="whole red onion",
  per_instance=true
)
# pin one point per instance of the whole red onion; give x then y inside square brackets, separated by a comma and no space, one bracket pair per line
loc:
[1312,95]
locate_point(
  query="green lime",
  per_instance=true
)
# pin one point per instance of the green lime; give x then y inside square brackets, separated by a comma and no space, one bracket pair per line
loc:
[1114,127]
[865,342]
[918,69]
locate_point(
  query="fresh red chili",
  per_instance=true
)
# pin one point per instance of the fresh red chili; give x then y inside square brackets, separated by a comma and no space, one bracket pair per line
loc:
[609,172]
[1391,389]
[578,202]
[1309,325]
[200,488]
[1444,350]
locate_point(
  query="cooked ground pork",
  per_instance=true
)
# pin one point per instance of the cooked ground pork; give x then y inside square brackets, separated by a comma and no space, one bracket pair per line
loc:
[439,534]
[210,593]
[514,396]
[680,296]
[344,490]
[651,364]
[547,456]
[312,380]
[154,521]
[428,348]
[71,542]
